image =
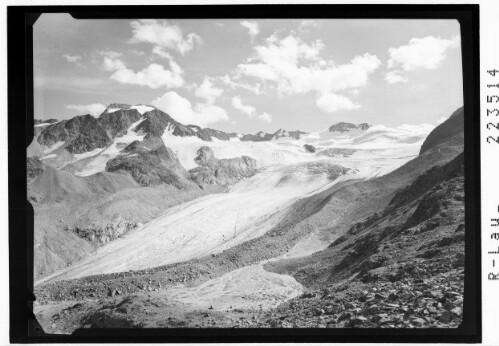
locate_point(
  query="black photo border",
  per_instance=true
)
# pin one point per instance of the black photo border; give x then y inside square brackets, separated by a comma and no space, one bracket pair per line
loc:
[23,325]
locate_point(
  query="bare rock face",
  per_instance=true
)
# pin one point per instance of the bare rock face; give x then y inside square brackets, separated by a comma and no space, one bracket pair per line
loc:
[204,156]
[105,233]
[150,163]
[208,134]
[263,136]
[224,172]
[83,133]
[309,148]
[345,127]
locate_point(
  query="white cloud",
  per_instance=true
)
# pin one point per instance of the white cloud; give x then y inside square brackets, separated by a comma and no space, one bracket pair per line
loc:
[237,103]
[249,110]
[160,33]
[111,54]
[307,24]
[231,81]
[295,67]
[396,76]
[110,64]
[252,26]
[265,117]
[183,111]
[331,103]
[160,51]
[427,52]
[208,91]
[154,76]
[72,58]
[94,109]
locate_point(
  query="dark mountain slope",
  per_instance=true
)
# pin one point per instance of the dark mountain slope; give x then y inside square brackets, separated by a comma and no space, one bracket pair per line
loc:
[346,127]
[118,122]
[149,162]
[376,273]
[445,131]
[402,267]
[81,134]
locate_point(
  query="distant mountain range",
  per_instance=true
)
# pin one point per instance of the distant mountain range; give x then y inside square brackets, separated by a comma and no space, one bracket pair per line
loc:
[85,132]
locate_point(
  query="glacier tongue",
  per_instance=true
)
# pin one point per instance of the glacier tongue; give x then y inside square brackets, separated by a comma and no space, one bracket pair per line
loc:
[250,287]
[214,223]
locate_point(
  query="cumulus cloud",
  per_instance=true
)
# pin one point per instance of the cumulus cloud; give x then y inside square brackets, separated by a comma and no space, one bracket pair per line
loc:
[72,58]
[94,109]
[307,24]
[161,52]
[162,34]
[427,52]
[111,54]
[110,64]
[396,76]
[252,26]
[330,103]
[182,110]
[153,76]
[237,103]
[208,91]
[294,67]
[231,81]
[249,110]
[265,117]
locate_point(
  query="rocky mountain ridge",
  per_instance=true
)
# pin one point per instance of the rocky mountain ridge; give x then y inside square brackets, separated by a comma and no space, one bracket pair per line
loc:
[346,127]
[85,133]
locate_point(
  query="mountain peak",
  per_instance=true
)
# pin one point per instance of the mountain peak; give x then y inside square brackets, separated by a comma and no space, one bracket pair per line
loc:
[346,127]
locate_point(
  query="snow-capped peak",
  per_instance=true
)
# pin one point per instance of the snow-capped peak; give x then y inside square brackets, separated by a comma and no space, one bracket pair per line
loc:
[142,108]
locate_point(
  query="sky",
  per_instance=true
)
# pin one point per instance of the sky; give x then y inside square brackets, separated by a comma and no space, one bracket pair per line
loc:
[249,75]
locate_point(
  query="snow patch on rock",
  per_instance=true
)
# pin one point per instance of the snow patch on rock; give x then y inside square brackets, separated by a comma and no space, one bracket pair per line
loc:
[142,109]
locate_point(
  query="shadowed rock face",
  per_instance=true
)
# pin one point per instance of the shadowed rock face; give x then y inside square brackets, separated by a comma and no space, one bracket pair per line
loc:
[445,131]
[150,163]
[208,134]
[309,148]
[212,171]
[157,122]
[83,133]
[288,134]
[258,137]
[117,123]
[263,136]
[86,133]
[345,127]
